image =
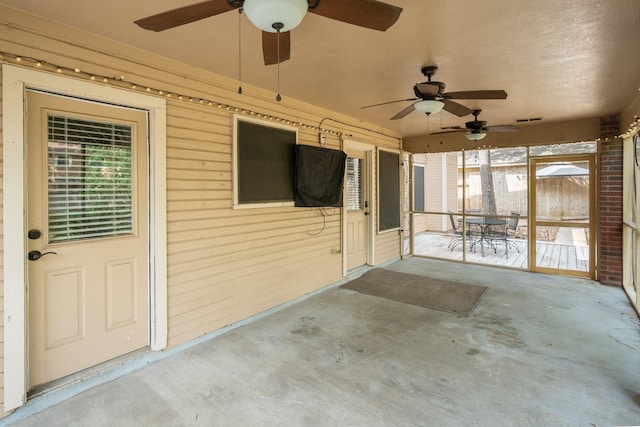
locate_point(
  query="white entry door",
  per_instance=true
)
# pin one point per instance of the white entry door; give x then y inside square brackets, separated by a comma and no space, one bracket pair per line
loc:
[88,234]
[357,209]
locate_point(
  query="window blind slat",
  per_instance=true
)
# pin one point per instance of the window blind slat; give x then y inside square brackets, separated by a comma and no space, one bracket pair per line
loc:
[90,179]
[355,200]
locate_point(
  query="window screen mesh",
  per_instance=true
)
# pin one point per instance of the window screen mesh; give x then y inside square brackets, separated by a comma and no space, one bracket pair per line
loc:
[89,179]
[355,200]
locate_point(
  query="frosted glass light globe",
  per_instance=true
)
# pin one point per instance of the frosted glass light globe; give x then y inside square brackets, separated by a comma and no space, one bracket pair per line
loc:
[265,13]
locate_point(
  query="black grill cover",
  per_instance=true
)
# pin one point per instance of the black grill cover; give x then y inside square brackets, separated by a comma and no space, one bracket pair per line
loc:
[319,176]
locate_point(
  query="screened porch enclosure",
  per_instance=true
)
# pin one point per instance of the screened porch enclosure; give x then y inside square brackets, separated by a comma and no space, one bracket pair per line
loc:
[473,206]
[556,248]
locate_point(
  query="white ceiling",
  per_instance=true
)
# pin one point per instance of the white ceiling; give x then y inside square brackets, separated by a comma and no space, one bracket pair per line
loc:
[557,59]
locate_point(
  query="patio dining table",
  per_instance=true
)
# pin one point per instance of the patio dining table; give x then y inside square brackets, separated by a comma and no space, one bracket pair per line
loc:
[484,224]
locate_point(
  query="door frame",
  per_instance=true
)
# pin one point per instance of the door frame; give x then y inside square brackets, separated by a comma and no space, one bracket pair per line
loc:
[15,80]
[368,181]
[593,213]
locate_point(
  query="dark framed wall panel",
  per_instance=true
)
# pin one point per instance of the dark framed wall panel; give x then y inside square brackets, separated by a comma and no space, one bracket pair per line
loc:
[388,190]
[264,163]
[418,188]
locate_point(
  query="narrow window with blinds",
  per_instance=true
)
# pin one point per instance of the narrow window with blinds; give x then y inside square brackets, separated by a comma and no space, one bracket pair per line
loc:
[355,200]
[90,189]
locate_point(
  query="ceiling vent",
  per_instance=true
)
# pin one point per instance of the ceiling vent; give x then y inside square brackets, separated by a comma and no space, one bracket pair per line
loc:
[532,119]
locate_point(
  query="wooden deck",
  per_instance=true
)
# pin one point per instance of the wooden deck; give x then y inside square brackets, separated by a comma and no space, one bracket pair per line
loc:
[549,255]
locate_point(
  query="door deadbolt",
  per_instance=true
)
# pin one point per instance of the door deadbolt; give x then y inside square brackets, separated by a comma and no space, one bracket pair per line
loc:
[36,255]
[34,234]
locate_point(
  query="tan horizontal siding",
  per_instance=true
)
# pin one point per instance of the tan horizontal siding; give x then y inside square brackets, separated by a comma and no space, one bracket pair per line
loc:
[224,264]
[452,182]
[249,292]
[229,248]
[226,278]
[226,260]
[245,261]
[387,246]
[221,286]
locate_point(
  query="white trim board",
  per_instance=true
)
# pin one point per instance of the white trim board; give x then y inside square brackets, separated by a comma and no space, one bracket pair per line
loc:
[14,82]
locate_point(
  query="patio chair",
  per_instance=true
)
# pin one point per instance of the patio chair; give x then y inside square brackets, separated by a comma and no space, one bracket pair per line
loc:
[459,235]
[501,234]
[512,225]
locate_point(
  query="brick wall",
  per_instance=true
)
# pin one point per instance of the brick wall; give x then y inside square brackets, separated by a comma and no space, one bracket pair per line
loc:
[610,203]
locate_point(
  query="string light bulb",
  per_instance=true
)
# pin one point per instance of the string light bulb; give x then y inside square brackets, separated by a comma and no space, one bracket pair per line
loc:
[117,81]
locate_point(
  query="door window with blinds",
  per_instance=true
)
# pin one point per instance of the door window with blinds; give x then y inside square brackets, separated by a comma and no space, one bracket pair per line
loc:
[355,197]
[90,180]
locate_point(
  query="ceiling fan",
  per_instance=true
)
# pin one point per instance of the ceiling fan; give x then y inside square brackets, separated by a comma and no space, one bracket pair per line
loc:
[277,17]
[477,129]
[431,97]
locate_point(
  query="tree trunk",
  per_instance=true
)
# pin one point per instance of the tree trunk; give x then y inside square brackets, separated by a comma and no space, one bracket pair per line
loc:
[486,181]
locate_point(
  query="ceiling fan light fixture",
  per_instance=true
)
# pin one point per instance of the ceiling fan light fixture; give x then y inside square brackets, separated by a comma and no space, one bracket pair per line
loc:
[475,136]
[428,106]
[267,15]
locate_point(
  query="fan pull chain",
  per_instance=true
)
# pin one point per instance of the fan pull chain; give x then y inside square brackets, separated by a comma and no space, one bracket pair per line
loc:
[240,51]
[278,26]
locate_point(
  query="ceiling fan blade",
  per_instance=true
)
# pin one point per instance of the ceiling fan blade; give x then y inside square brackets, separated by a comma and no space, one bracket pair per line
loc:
[449,131]
[389,102]
[428,89]
[477,94]
[455,108]
[270,47]
[502,128]
[404,112]
[372,14]
[184,15]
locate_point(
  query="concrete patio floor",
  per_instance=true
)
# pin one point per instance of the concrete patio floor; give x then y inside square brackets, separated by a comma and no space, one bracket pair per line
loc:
[538,350]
